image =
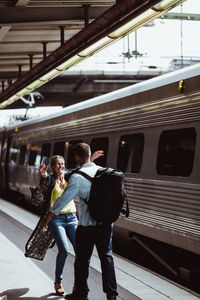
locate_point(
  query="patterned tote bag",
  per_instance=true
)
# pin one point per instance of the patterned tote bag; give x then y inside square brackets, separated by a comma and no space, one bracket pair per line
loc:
[39,241]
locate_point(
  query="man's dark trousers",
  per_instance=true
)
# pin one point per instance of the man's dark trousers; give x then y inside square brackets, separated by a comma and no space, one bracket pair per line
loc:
[86,238]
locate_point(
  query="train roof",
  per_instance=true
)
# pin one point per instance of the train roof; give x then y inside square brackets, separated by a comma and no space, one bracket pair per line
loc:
[153,83]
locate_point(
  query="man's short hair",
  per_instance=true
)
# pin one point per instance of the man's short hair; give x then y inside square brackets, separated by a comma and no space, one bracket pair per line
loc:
[82,150]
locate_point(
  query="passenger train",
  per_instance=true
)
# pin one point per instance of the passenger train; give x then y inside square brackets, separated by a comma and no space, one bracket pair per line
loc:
[150,131]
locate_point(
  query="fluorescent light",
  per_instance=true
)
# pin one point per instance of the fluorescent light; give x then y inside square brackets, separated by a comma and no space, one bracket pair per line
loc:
[22,92]
[168,4]
[146,17]
[69,63]
[96,46]
[35,84]
[134,24]
[50,75]
[9,101]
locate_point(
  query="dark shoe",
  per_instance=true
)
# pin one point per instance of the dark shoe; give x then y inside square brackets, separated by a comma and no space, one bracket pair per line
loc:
[73,296]
[111,297]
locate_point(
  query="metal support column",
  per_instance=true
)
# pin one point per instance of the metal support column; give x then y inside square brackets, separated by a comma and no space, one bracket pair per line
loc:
[2,86]
[62,35]
[136,52]
[86,14]
[30,61]
[44,49]
[19,71]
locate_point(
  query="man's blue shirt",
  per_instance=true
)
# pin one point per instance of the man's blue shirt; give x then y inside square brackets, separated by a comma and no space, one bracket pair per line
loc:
[78,186]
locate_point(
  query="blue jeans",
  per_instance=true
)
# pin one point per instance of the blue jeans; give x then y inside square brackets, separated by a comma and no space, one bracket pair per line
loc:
[86,238]
[61,227]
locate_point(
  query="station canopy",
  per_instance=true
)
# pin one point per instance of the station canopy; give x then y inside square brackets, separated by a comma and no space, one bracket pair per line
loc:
[40,40]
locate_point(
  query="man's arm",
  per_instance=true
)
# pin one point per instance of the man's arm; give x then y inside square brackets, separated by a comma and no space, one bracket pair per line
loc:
[96,154]
[70,192]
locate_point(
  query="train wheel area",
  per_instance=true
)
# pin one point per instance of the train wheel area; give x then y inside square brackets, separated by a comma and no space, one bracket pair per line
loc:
[24,277]
[178,265]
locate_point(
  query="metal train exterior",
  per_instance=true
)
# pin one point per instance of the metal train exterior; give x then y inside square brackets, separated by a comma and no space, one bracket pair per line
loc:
[151,131]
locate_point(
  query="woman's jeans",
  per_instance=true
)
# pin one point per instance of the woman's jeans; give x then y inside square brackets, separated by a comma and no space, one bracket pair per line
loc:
[61,227]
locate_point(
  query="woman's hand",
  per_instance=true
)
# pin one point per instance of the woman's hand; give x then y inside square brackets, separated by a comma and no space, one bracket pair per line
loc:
[97,154]
[46,220]
[43,170]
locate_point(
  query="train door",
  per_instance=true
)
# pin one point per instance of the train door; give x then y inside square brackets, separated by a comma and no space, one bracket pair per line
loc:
[3,165]
[33,163]
[16,167]
[1,175]
[12,165]
[27,169]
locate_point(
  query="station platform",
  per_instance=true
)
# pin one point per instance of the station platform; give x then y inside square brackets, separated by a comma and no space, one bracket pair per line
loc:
[29,279]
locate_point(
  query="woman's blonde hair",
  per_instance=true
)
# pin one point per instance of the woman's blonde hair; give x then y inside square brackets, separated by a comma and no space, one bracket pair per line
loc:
[53,161]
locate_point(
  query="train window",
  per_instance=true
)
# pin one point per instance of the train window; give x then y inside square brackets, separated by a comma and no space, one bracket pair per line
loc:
[34,157]
[130,153]
[176,152]
[45,153]
[100,144]
[59,148]
[22,155]
[14,150]
[71,163]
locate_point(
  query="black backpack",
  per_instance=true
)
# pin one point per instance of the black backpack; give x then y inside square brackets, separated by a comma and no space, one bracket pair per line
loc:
[107,195]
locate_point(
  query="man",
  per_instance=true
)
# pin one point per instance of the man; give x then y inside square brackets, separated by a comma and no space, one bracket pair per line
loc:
[88,233]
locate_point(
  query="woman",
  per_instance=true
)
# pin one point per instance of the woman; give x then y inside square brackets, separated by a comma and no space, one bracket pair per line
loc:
[65,224]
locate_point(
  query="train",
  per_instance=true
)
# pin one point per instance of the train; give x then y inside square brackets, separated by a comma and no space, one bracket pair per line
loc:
[150,131]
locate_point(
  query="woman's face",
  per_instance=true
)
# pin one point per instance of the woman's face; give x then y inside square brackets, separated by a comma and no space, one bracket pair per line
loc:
[59,167]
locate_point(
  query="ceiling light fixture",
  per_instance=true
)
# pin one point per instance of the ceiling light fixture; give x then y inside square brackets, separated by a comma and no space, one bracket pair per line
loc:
[137,22]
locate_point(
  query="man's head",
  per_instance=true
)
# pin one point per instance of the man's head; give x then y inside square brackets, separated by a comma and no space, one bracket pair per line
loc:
[82,153]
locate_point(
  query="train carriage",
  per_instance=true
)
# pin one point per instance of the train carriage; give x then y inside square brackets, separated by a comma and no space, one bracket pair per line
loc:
[151,131]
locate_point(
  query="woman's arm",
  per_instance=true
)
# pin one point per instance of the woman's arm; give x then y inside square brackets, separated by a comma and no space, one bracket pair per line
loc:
[47,220]
[43,170]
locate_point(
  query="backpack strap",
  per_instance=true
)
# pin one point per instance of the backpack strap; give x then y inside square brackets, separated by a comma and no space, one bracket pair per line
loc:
[70,173]
[88,177]
[77,171]
[125,211]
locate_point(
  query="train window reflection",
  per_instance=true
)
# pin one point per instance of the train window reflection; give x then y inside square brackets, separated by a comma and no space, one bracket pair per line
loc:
[59,148]
[130,152]
[176,152]
[14,150]
[45,153]
[100,144]
[34,158]
[22,155]
[71,163]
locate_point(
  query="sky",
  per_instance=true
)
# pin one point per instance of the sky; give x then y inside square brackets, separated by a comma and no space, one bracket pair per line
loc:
[157,44]
[164,38]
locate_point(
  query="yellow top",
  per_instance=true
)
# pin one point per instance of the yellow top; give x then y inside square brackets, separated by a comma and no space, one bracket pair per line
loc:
[57,192]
